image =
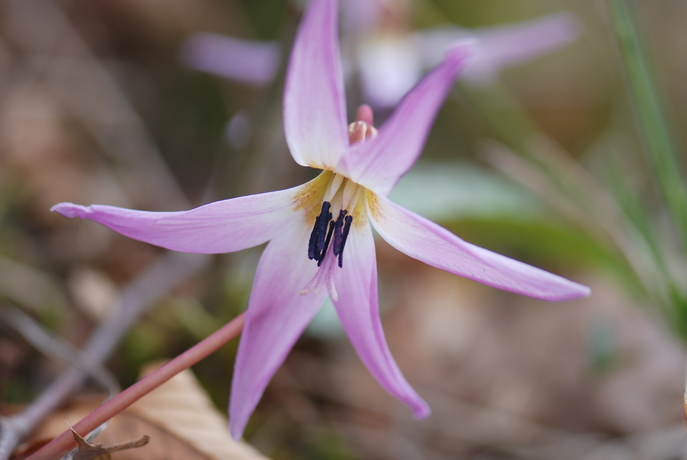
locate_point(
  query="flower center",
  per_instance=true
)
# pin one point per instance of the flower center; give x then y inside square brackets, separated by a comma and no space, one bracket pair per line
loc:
[329,235]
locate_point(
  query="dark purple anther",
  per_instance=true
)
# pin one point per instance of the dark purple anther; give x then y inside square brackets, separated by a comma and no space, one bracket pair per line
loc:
[327,231]
[344,237]
[316,245]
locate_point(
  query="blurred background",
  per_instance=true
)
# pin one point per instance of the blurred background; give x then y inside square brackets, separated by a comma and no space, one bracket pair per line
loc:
[114,102]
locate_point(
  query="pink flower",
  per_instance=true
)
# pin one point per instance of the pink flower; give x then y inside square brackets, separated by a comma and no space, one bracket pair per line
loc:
[390,62]
[252,62]
[319,233]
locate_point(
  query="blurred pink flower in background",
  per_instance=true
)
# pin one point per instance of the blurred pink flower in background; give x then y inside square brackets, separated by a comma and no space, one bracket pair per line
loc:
[389,60]
[319,233]
[251,62]
[390,64]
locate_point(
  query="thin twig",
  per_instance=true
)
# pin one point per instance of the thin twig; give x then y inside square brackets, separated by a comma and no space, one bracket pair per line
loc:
[62,59]
[61,444]
[54,347]
[168,271]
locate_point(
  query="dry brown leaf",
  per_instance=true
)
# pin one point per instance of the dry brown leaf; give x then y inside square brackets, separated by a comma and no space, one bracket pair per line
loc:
[182,408]
[179,418]
[162,446]
[88,451]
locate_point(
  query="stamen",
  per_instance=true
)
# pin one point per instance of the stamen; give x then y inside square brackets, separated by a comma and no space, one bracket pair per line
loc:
[328,236]
[332,224]
[344,237]
[316,245]
[336,234]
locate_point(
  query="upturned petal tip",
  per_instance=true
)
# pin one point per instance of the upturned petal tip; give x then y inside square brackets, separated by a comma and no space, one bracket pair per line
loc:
[499,47]
[380,163]
[428,242]
[70,210]
[421,411]
[461,49]
[504,46]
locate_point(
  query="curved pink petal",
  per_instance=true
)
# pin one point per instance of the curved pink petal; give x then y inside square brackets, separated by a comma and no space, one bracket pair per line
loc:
[314,100]
[426,241]
[503,46]
[222,226]
[379,163]
[249,61]
[358,310]
[499,47]
[276,317]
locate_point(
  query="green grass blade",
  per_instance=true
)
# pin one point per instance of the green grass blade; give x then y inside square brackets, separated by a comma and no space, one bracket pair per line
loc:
[653,126]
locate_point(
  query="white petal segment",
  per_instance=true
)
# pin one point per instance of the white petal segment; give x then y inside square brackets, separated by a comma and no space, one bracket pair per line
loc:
[358,310]
[314,100]
[426,241]
[222,226]
[276,317]
[389,67]
[380,162]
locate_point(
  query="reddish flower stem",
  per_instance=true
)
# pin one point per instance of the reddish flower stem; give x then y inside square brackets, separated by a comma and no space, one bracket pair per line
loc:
[62,444]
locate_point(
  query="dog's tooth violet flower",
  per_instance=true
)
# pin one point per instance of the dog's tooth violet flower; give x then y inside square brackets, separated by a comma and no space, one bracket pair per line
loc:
[388,58]
[320,236]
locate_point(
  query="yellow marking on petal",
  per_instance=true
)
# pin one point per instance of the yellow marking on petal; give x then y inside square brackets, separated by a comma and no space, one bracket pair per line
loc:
[311,195]
[359,212]
[373,205]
